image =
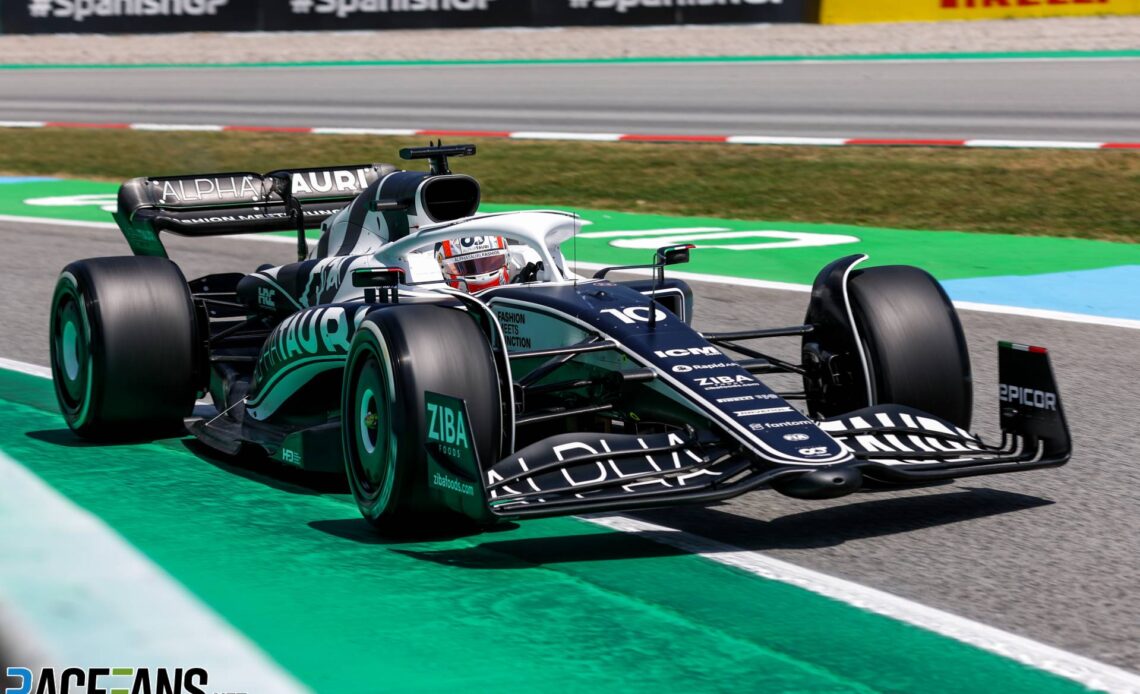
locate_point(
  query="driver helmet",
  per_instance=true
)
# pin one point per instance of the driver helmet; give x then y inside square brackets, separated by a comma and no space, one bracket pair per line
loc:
[474,263]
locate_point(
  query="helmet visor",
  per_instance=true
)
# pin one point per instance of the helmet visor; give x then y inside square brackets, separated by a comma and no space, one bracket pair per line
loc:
[468,266]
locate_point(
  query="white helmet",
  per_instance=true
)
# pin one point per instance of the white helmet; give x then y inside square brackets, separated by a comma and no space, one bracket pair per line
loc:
[474,263]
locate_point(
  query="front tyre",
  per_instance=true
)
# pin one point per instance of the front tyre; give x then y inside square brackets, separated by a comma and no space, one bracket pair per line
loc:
[123,335]
[913,341]
[399,353]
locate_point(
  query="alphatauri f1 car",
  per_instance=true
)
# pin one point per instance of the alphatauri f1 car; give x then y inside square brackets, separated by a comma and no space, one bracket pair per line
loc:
[552,395]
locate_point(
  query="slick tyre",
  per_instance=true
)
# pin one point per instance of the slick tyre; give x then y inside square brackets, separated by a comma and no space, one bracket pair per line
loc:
[123,338]
[397,354]
[914,345]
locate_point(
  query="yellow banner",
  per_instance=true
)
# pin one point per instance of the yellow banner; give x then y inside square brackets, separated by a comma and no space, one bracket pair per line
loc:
[852,11]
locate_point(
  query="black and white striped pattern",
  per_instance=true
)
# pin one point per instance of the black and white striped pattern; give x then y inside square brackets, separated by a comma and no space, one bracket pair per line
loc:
[895,436]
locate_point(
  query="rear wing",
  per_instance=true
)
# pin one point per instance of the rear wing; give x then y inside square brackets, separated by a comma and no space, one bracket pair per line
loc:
[237,202]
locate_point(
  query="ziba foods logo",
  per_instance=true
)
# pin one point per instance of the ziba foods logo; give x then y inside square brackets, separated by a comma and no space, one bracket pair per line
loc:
[117,680]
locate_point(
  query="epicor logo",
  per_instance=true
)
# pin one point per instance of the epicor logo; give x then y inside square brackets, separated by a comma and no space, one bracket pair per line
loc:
[75,680]
[79,10]
[1028,397]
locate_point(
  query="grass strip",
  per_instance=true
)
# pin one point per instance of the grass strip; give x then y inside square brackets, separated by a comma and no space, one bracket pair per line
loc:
[1070,193]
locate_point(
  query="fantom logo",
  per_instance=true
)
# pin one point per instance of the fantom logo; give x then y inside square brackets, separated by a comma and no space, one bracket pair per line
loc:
[79,10]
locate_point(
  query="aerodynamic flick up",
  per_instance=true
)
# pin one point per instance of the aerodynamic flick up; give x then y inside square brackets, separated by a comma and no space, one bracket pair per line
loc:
[450,362]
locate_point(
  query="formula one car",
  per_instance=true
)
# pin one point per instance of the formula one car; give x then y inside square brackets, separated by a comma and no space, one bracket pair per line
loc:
[551,394]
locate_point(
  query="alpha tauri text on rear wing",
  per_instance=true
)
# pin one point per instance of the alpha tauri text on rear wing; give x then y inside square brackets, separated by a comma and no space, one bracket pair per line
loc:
[235,203]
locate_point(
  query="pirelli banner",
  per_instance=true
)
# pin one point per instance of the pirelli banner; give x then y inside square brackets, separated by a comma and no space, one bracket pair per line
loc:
[852,11]
[144,16]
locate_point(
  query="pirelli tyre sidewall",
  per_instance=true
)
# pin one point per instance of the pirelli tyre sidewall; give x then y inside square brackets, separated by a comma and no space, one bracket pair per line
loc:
[913,341]
[122,342]
[398,353]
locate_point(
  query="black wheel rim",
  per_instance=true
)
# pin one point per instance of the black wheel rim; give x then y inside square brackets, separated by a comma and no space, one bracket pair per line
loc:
[369,422]
[70,353]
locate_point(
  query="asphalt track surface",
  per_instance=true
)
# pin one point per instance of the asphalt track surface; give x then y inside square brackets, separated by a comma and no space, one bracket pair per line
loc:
[993,99]
[1050,555]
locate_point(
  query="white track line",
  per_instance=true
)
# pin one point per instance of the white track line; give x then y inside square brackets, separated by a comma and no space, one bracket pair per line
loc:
[94,600]
[1034,144]
[551,135]
[1045,314]
[25,368]
[395,132]
[1090,673]
[168,127]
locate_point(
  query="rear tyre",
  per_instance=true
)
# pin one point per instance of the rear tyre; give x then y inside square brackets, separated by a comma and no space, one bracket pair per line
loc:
[912,338]
[397,354]
[123,338]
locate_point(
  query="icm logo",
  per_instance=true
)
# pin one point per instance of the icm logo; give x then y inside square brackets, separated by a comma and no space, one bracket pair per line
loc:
[689,352]
[796,437]
[1029,397]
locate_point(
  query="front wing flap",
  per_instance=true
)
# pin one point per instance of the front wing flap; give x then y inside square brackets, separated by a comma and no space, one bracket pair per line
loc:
[576,472]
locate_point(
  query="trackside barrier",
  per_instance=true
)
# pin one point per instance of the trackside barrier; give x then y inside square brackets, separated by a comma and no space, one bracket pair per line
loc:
[146,16]
[853,11]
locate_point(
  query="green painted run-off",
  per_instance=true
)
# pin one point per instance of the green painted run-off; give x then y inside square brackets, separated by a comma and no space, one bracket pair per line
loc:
[948,255]
[556,605]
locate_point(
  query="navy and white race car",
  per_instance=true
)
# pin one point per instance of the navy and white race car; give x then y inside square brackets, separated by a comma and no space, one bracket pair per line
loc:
[549,395]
